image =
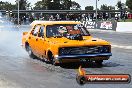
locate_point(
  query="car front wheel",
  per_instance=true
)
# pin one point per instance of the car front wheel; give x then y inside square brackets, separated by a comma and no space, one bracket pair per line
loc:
[52,59]
[99,62]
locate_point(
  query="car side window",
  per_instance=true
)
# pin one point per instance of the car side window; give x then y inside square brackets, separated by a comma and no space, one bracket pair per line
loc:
[36,30]
[41,32]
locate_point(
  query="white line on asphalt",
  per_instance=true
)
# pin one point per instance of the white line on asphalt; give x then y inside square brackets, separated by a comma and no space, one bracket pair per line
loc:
[123,47]
[1,21]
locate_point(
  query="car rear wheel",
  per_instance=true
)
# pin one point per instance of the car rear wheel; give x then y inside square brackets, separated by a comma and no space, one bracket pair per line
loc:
[99,62]
[29,50]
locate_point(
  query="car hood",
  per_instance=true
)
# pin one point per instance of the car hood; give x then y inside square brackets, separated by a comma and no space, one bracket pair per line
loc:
[87,41]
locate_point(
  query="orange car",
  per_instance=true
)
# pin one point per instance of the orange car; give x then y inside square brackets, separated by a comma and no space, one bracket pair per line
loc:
[63,42]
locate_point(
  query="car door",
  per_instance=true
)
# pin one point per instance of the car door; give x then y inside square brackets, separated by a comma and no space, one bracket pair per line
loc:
[40,42]
[33,38]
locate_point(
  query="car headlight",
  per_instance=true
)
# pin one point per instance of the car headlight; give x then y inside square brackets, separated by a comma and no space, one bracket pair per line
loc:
[104,49]
[101,49]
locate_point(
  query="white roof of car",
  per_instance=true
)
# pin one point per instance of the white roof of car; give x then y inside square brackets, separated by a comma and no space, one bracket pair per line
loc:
[54,22]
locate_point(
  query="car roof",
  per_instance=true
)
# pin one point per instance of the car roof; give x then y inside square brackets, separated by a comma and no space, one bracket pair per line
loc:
[54,22]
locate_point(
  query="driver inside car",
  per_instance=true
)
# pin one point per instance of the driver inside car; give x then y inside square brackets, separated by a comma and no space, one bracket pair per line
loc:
[63,31]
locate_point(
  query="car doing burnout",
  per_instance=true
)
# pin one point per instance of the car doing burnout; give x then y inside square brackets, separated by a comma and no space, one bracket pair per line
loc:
[63,42]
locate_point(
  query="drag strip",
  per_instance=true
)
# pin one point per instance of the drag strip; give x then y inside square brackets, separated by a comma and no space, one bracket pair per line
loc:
[18,70]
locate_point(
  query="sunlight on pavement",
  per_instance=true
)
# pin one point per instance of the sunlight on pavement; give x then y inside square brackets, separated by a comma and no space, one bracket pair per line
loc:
[7,84]
[121,46]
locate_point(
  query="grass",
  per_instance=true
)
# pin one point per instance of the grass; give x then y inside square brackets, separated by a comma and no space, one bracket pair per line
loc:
[127,20]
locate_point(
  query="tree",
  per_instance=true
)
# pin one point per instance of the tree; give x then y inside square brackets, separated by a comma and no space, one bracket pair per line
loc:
[111,7]
[28,6]
[40,5]
[65,4]
[6,6]
[75,6]
[89,8]
[129,4]
[57,5]
[119,5]
[104,7]
[23,4]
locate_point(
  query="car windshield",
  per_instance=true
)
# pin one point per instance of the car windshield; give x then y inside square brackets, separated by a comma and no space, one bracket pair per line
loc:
[61,30]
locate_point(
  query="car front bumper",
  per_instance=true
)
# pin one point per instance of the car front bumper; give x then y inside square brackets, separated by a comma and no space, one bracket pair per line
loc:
[69,58]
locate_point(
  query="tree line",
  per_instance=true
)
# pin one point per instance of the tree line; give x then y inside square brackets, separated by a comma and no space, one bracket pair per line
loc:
[41,5]
[59,5]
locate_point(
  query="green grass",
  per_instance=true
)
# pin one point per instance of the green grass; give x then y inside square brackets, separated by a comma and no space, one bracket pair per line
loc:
[127,20]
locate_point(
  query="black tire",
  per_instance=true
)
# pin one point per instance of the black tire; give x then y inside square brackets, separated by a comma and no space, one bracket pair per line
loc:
[99,62]
[29,50]
[52,59]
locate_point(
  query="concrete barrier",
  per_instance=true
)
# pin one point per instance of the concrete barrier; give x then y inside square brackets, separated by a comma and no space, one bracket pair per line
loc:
[109,25]
[124,27]
[103,25]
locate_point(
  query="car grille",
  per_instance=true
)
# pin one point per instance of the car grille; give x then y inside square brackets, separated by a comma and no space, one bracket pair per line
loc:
[83,50]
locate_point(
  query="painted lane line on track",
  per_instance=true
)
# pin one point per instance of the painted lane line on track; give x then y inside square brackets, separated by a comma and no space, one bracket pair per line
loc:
[120,46]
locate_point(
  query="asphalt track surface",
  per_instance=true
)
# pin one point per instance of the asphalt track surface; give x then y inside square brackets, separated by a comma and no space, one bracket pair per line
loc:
[17,70]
